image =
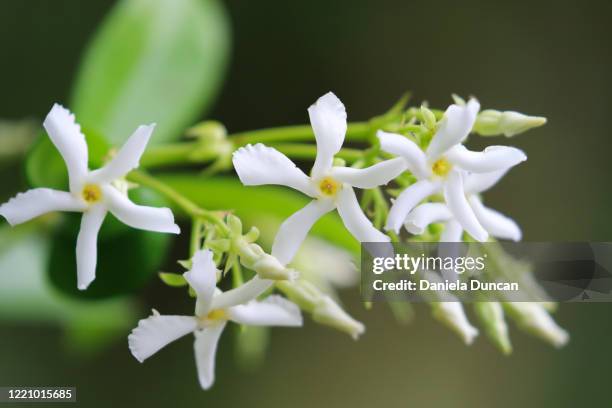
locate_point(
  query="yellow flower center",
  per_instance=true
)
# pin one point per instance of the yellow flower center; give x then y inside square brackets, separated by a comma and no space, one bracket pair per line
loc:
[441,167]
[217,314]
[329,187]
[91,193]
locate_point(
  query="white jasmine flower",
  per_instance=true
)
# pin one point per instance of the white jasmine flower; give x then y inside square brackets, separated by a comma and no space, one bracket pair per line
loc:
[330,187]
[493,222]
[91,192]
[444,166]
[155,332]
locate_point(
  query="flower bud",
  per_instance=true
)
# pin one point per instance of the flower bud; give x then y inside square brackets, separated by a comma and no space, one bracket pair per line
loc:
[492,123]
[208,131]
[234,224]
[533,318]
[491,315]
[268,267]
[323,309]
[453,316]
[429,118]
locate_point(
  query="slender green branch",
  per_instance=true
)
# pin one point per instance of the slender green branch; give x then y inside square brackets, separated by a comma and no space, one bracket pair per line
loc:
[196,236]
[309,151]
[357,131]
[177,154]
[188,206]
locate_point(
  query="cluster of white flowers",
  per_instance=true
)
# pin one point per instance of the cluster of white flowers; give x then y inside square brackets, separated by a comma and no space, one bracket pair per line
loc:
[445,166]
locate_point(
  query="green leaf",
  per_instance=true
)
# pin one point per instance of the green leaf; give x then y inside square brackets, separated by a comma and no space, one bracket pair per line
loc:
[151,61]
[173,279]
[264,207]
[26,296]
[126,261]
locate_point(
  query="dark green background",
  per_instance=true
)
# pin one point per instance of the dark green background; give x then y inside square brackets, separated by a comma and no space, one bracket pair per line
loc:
[546,58]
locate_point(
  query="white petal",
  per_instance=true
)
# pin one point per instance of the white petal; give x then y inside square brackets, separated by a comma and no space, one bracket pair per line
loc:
[454,127]
[67,137]
[459,206]
[38,201]
[203,279]
[242,294]
[355,220]
[496,223]
[294,229]
[370,177]
[87,245]
[156,332]
[205,348]
[408,150]
[258,165]
[492,158]
[452,232]
[406,201]
[126,159]
[425,214]
[328,120]
[479,182]
[139,216]
[272,311]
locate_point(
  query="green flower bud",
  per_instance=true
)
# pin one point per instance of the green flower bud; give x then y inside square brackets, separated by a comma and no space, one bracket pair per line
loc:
[234,224]
[429,118]
[491,314]
[533,318]
[492,123]
[323,309]
[452,315]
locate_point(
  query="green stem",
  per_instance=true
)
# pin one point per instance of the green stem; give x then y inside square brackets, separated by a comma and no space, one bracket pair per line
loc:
[188,206]
[176,154]
[309,151]
[196,152]
[196,236]
[356,131]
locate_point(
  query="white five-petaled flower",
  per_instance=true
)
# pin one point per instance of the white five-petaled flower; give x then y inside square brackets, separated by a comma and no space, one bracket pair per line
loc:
[91,192]
[495,223]
[444,167]
[213,310]
[330,187]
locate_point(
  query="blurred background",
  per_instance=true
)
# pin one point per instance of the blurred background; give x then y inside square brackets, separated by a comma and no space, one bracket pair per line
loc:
[540,58]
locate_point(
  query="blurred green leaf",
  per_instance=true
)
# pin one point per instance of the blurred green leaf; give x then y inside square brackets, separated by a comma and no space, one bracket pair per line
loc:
[151,61]
[26,296]
[173,279]
[263,207]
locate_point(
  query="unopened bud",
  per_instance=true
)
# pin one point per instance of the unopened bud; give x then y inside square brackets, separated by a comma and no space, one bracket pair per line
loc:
[209,131]
[492,123]
[323,309]
[533,318]
[429,118]
[328,312]
[491,314]
[453,316]
[268,267]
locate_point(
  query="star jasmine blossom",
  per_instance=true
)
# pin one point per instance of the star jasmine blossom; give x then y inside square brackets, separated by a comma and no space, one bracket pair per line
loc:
[91,192]
[330,187]
[444,166]
[211,315]
[494,223]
